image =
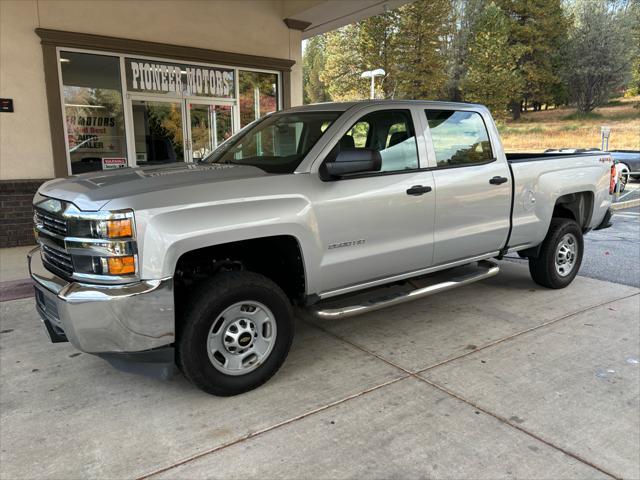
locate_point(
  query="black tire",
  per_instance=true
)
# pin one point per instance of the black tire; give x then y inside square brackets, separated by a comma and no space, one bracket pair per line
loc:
[205,305]
[543,267]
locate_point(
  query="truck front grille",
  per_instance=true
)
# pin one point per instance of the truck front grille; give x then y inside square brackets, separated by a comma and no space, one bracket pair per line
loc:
[51,222]
[58,259]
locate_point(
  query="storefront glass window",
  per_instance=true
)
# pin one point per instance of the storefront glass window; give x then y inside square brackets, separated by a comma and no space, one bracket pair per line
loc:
[210,126]
[258,95]
[93,111]
[158,132]
[174,111]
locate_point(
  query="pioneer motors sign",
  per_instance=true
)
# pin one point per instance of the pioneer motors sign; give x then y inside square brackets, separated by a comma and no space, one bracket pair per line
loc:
[151,76]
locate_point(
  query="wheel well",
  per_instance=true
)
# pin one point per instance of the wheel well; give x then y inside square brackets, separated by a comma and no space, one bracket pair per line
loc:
[576,206]
[278,258]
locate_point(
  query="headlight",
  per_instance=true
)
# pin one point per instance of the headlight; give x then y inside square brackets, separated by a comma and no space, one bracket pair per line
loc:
[103,244]
[109,225]
[88,246]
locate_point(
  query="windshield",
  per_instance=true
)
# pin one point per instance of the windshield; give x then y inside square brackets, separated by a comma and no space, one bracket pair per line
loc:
[277,143]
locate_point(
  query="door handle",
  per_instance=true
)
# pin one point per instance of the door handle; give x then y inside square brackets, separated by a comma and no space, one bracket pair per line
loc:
[418,190]
[498,180]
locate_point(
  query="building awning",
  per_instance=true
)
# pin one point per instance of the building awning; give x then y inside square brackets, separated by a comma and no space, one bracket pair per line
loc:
[314,17]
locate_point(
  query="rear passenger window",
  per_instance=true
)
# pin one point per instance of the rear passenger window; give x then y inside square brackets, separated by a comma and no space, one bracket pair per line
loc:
[459,138]
[388,131]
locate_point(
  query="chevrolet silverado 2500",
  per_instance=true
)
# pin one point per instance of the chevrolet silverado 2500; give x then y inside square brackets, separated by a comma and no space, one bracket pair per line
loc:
[329,208]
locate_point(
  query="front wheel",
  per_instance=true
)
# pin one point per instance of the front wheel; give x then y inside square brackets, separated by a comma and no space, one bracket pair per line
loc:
[560,255]
[235,334]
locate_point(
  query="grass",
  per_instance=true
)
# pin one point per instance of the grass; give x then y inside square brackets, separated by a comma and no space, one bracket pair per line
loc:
[566,128]
[583,116]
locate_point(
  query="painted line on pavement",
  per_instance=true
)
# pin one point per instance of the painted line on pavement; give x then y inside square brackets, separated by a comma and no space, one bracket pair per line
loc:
[626,204]
[625,194]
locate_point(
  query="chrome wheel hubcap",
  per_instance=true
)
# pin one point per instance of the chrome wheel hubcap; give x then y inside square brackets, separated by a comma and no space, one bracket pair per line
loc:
[241,338]
[566,254]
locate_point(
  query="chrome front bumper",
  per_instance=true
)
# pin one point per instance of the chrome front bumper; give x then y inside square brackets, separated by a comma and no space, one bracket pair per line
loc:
[104,318]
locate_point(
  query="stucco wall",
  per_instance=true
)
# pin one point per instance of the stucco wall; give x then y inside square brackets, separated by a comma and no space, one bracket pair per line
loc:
[250,27]
[25,140]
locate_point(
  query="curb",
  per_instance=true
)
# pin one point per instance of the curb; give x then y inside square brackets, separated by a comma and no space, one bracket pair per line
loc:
[16,289]
[628,204]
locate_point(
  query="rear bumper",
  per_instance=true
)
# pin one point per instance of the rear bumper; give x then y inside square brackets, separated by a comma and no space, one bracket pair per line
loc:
[104,318]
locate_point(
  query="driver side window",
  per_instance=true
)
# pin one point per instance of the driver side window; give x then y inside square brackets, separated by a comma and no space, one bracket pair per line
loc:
[390,132]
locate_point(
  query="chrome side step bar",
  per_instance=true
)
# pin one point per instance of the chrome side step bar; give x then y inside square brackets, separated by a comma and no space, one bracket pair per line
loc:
[486,269]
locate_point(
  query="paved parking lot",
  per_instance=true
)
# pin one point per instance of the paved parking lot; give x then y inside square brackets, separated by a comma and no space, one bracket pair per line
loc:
[501,379]
[631,192]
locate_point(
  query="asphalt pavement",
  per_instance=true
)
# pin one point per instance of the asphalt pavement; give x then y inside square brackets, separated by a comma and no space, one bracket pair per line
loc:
[632,192]
[613,254]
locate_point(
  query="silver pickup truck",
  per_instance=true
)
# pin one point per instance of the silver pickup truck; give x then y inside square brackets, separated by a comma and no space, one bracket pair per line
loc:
[336,209]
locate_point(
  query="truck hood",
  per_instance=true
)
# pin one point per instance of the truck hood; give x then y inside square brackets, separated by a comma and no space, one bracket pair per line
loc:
[91,191]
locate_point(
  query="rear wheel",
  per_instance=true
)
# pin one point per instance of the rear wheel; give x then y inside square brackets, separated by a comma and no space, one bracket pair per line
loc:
[560,255]
[235,334]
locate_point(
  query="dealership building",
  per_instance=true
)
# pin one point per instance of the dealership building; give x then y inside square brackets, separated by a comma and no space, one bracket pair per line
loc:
[96,85]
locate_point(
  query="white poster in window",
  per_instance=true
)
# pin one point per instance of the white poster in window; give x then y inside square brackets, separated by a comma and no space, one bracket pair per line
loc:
[90,132]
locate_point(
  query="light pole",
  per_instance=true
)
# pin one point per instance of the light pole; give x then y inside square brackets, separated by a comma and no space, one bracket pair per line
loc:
[372,74]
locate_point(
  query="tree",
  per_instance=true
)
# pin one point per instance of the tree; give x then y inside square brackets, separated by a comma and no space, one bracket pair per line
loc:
[598,53]
[492,76]
[463,17]
[634,18]
[377,48]
[356,48]
[539,27]
[313,63]
[409,44]
[343,65]
[423,27]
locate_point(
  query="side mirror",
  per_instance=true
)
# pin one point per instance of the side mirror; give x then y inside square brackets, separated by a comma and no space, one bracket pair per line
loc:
[357,160]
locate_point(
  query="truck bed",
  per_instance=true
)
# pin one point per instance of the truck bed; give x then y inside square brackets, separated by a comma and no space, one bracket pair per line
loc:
[541,178]
[518,157]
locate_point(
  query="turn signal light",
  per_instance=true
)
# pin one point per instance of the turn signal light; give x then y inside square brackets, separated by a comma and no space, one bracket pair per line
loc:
[118,228]
[121,265]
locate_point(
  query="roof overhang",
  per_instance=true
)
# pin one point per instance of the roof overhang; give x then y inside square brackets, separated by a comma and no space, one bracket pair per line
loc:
[314,17]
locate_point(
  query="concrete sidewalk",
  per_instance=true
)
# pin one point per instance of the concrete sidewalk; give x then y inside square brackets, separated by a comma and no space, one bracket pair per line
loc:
[13,263]
[14,273]
[501,379]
